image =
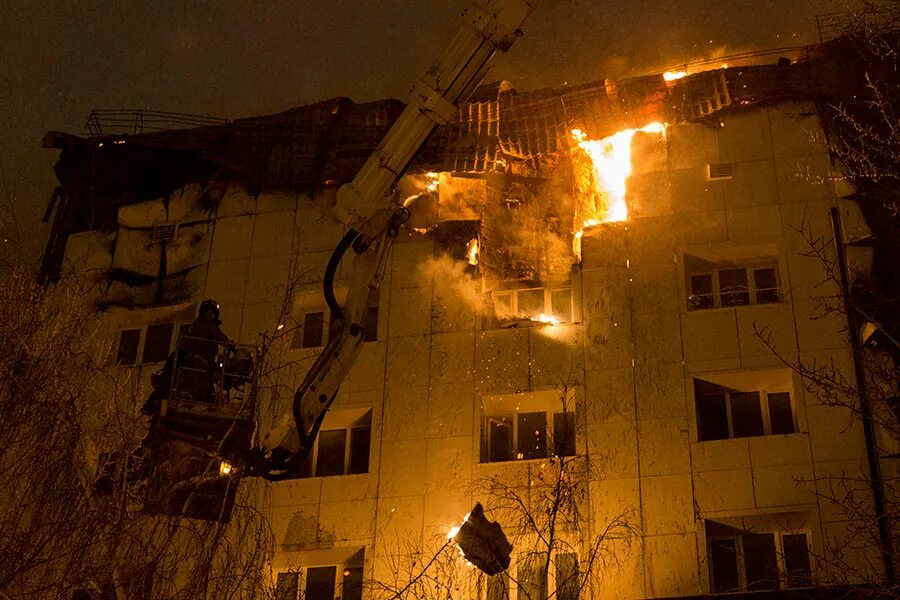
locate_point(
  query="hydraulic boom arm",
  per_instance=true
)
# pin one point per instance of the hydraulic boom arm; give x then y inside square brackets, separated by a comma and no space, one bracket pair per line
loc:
[366,206]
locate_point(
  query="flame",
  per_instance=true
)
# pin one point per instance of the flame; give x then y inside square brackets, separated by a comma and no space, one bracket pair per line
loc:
[546,319]
[610,162]
[472,252]
[674,75]
[225,468]
[433,181]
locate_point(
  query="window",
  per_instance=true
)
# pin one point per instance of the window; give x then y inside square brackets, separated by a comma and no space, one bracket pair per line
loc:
[152,343]
[516,301]
[370,324]
[745,560]
[313,329]
[327,582]
[736,406]
[527,426]
[311,333]
[533,581]
[342,445]
[721,285]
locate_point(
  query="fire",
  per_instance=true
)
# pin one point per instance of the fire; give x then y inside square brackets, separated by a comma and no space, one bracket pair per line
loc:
[433,181]
[546,319]
[610,160]
[472,252]
[674,75]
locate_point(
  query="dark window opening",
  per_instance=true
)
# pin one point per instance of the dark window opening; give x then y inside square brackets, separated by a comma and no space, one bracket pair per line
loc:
[746,414]
[320,583]
[760,561]
[128,347]
[796,560]
[332,447]
[370,325]
[157,343]
[724,563]
[780,413]
[724,413]
[564,433]
[702,295]
[712,412]
[360,440]
[500,438]
[352,587]
[748,561]
[532,429]
[313,329]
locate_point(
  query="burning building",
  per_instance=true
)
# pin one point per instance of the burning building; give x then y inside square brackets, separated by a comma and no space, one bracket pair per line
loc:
[612,276]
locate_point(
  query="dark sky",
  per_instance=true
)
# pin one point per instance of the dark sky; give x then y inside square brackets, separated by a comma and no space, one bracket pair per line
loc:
[234,58]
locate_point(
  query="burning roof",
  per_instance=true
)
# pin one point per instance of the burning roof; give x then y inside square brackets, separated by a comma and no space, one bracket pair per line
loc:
[324,144]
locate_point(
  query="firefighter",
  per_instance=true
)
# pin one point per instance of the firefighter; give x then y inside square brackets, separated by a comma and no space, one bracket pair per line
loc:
[196,353]
[199,353]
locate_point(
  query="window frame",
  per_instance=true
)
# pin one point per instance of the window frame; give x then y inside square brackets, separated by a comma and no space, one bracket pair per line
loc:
[752,290]
[512,293]
[348,448]
[340,571]
[550,578]
[779,558]
[298,333]
[765,412]
[178,329]
[513,412]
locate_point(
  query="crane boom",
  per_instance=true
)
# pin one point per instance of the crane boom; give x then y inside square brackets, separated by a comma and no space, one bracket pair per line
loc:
[366,207]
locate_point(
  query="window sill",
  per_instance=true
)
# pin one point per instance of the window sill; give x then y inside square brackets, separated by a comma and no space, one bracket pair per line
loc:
[725,308]
[752,437]
[519,461]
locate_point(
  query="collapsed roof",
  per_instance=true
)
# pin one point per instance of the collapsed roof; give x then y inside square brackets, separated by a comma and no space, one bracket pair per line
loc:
[324,144]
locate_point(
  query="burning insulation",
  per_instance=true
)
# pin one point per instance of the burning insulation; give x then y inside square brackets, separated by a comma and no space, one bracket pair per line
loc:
[609,160]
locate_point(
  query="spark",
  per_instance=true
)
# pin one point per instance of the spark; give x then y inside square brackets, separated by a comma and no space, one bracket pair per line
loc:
[225,468]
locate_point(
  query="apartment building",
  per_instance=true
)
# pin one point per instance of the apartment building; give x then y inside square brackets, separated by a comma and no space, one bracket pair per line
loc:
[525,323]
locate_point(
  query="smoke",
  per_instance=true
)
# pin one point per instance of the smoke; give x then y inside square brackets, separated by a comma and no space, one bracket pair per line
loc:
[452,275]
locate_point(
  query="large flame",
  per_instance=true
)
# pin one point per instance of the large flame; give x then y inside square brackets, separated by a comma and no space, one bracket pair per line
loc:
[610,162]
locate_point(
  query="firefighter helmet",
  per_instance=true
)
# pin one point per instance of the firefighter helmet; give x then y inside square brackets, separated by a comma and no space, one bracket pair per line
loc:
[210,305]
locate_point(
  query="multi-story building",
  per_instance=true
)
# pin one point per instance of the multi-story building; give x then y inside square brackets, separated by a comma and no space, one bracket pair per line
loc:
[642,338]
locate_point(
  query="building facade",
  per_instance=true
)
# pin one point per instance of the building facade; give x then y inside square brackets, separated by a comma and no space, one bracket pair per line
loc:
[647,358]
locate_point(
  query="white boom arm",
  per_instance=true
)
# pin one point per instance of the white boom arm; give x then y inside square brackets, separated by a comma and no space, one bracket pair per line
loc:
[365,205]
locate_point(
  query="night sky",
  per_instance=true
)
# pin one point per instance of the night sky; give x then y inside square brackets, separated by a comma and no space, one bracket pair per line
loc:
[235,58]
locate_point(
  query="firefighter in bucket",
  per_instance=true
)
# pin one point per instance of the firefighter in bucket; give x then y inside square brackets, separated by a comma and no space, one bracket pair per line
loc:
[200,355]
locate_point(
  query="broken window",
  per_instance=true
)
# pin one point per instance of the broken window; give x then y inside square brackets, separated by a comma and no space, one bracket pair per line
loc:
[756,558]
[726,284]
[532,576]
[518,301]
[325,582]
[342,445]
[498,587]
[736,406]
[527,426]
